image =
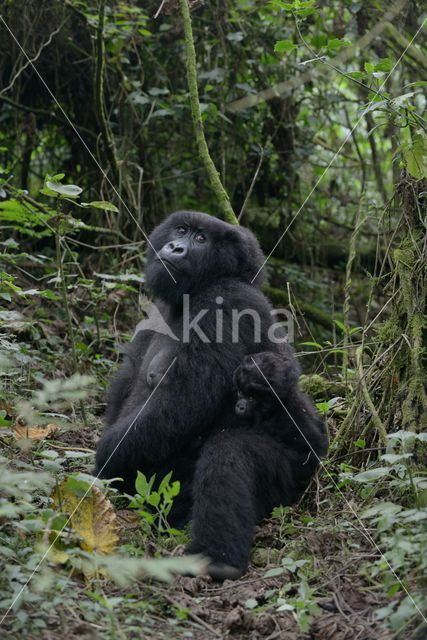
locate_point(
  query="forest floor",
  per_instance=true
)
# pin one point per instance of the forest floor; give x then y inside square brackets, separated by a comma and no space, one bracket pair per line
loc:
[312,559]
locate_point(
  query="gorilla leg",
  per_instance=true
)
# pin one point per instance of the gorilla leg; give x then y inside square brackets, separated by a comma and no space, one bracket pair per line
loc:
[235,486]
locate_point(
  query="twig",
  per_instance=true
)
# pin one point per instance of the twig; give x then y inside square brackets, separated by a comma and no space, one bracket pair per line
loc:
[68,313]
[382,432]
[286,86]
[193,616]
[41,112]
[254,179]
[57,446]
[31,61]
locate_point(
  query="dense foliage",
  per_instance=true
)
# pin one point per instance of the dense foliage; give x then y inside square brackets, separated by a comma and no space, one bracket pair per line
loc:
[314,117]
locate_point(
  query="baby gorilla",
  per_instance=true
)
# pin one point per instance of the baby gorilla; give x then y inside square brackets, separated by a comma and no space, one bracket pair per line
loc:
[269,399]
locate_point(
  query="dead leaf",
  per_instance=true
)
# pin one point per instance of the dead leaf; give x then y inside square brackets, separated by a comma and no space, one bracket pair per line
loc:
[128,519]
[34,433]
[92,517]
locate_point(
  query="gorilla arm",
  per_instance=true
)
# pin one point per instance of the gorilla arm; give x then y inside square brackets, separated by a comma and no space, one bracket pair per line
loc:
[121,385]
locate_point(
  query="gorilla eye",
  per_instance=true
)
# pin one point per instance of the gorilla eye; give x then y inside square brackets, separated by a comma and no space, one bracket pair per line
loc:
[200,237]
[181,231]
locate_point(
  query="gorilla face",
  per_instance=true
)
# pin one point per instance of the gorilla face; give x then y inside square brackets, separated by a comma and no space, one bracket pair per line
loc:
[190,249]
[245,406]
[255,396]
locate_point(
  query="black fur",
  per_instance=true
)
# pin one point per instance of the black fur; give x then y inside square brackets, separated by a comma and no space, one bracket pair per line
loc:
[232,471]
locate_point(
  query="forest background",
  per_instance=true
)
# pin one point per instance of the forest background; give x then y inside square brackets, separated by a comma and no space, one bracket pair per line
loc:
[309,128]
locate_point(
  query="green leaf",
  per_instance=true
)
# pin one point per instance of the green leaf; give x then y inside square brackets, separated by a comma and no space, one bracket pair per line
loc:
[284,46]
[340,325]
[154,499]
[141,484]
[360,443]
[392,458]
[335,44]
[101,204]
[311,344]
[277,571]
[251,603]
[419,83]
[381,509]
[356,75]
[384,65]
[323,407]
[70,190]
[415,155]
[287,6]
[372,474]
[165,482]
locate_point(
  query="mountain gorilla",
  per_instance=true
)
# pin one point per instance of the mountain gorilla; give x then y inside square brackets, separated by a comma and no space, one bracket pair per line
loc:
[171,405]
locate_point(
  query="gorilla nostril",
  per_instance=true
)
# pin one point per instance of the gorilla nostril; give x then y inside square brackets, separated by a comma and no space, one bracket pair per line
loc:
[176,248]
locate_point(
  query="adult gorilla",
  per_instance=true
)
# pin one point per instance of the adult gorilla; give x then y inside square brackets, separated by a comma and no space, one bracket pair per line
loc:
[187,422]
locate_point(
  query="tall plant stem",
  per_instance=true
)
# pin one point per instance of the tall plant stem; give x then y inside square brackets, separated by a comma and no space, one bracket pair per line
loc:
[107,137]
[359,221]
[68,315]
[202,147]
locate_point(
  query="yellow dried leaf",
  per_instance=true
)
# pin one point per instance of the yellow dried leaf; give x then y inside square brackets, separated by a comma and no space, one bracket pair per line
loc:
[34,433]
[92,517]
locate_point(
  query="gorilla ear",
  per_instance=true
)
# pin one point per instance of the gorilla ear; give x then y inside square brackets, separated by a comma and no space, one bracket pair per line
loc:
[250,256]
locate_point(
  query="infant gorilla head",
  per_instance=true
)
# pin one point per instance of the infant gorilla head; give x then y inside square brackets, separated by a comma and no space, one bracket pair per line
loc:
[261,380]
[191,250]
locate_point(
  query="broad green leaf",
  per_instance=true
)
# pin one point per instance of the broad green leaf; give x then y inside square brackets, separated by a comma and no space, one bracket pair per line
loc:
[335,44]
[272,573]
[356,75]
[382,509]
[384,65]
[415,155]
[101,204]
[392,458]
[284,46]
[70,190]
[372,474]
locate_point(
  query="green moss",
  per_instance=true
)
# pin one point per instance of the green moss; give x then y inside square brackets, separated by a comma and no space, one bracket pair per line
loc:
[388,331]
[318,387]
[262,557]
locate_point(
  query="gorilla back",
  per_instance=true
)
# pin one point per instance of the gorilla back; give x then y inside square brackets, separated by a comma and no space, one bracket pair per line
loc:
[202,273]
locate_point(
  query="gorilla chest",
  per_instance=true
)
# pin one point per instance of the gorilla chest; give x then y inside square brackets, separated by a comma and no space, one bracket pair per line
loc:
[159,356]
[151,369]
